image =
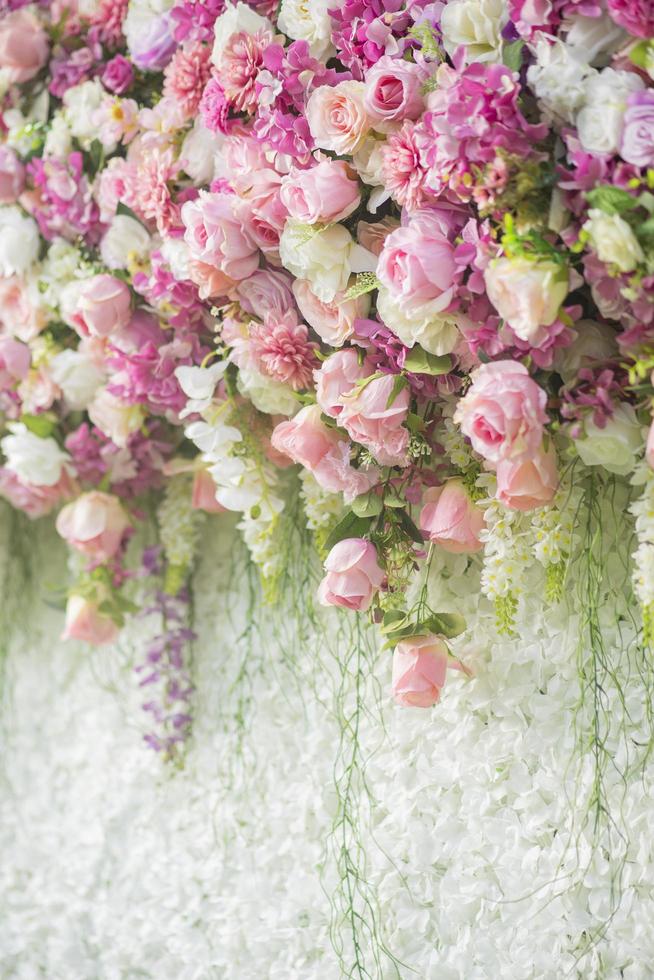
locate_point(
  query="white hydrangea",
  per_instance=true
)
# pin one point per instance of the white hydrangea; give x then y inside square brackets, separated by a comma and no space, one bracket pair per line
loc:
[80,105]
[558,78]
[643,558]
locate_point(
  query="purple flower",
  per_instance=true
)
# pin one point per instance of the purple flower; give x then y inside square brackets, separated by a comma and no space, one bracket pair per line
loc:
[155,45]
[118,74]
[70,70]
[638,132]
[66,206]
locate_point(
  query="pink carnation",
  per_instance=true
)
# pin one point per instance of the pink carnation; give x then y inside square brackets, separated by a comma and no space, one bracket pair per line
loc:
[240,63]
[281,349]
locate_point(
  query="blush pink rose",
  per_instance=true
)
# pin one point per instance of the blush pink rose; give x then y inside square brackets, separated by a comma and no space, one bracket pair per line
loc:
[373,417]
[337,117]
[23,46]
[266,291]
[394,90]
[528,483]
[217,237]
[104,306]
[417,264]
[324,193]
[35,501]
[450,518]
[649,449]
[333,322]
[12,175]
[19,313]
[353,575]
[94,524]
[85,622]
[263,219]
[503,413]
[338,376]
[419,668]
[15,359]
[204,493]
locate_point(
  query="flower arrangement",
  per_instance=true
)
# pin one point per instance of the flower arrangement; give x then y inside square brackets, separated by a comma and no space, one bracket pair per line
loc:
[407,247]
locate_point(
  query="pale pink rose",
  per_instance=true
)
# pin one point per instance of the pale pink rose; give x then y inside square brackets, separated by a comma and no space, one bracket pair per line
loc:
[337,117]
[324,193]
[333,322]
[204,493]
[266,291]
[115,183]
[417,264]
[373,418]
[450,518]
[263,219]
[524,484]
[23,45]
[394,90]
[242,160]
[12,175]
[211,282]
[338,376]
[353,575]
[35,501]
[15,359]
[217,237]
[649,449]
[19,315]
[85,622]
[419,667]
[503,412]
[94,524]
[372,234]
[104,305]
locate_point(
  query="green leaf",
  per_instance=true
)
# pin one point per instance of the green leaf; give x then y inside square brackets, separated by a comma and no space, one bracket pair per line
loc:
[365,283]
[96,156]
[512,55]
[40,425]
[399,384]
[611,200]
[127,211]
[446,624]
[410,527]
[415,423]
[393,619]
[367,505]
[419,361]
[646,229]
[351,526]
[393,499]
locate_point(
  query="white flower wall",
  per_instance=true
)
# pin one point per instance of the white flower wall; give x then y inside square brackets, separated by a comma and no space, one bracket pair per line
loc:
[477,845]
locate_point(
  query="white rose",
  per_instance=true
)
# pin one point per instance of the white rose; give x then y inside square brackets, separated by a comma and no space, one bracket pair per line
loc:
[33,460]
[237,18]
[527,294]
[80,104]
[594,38]
[593,342]
[308,20]
[19,241]
[613,240]
[558,78]
[75,372]
[124,240]
[599,123]
[435,332]
[321,256]
[615,446]
[59,141]
[476,25]
[266,394]
[177,254]
[198,154]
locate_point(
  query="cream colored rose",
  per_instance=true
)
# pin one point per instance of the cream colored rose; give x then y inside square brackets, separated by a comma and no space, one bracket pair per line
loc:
[435,332]
[476,25]
[124,240]
[615,446]
[599,123]
[308,20]
[337,118]
[322,256]
[526,293]
[613,240]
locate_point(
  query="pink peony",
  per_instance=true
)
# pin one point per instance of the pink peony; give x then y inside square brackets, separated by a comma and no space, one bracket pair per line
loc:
[12,175]
[217,237]
[394,90]
[402,170]
[186,75]
[325,193]
[281,349]
[417,263]
[450,518]
[85,622]
[104,306]
[23,45]
[239,64]
[94,524]
[353,575]
[337,377]
[373,417]
[503,413]
[419,667]
[528,483]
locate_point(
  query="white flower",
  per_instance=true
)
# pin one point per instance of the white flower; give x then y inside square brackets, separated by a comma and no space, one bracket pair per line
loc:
[320,255]
[199,384]
[124,241]
[177,254]
[33,459]
[237,18]
[198,154]
[594,38]
[19,135]
[19,241]
[80,104]
[593,342]
[214,438]
[113,417]
[308,20]
[615,446]
[476,25]
[558,78]
[599,123]
[59,140]
[613,240]
[78,376]
[266,394]
[526,293]
[435,332]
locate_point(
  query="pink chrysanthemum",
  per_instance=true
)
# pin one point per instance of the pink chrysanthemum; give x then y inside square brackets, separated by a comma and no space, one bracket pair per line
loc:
[152,195]
[281,349]
[239,66]
[402,170]
[186,76]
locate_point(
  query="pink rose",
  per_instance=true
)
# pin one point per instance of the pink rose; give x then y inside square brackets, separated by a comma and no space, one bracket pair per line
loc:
[263,221]
[649,449]
[333,322]
[337,377]
[371,235]
[324,193]
[217,237]
[204,493]
[337,117]
[503,413]
[15,359]
[373,417]
[353,575]
[85,622]
[12,175]
[104,306]
[266,291]
[23,46]
[524,484]
[308,441]
[417,264]
[419,667]
[394,90]
[35,501]
[637,144]
[94,524]
[451,519]
[20,313]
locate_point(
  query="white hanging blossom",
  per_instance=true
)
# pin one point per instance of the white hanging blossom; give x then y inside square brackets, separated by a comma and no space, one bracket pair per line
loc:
[643,558]
[179,523]
[457,450]
[508,554]
[322,509]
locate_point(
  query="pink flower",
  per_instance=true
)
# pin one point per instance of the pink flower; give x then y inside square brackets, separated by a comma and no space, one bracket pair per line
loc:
[94,524]
[503,413]
[337,377]
[238,66]
[451,519]
[15,359]
[115,183]
[104,306]
[353,575]
[118,75]
[266,291]
[371,235]
[217,237]
[333,322]
[635,16]
[337,117]
[282,350]
[19,314]
[204,493]
[85,622]
[23,46]
[155,167]
[373,415]
[393,90]
[12,175]
[419,667]
[35,501]
[186,75]
[417,263]
[523,484]
[214,107]
[637,144]
[649,450]
[402,170]
[325,193]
